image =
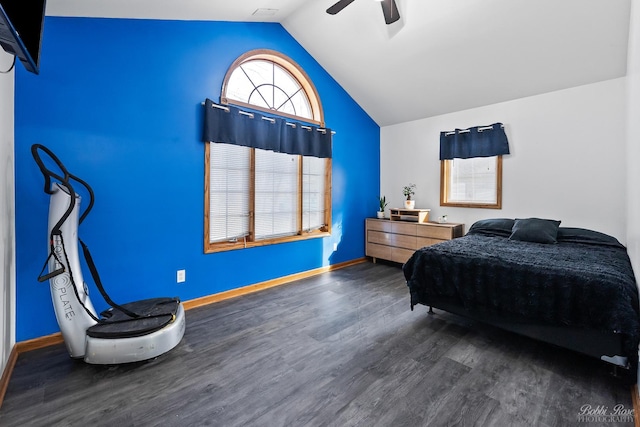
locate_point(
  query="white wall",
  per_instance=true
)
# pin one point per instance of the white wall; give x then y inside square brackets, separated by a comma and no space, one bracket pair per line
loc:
[633,141]
[7,209]
[633,138]
[567,158]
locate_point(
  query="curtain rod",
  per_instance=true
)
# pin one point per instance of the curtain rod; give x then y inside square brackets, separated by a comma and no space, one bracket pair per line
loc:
[480,129]
[246,113]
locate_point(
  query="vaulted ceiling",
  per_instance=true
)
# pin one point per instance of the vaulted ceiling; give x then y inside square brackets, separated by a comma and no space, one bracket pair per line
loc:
[442,56]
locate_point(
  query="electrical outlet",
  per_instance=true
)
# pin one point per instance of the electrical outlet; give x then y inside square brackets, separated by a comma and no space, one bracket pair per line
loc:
[335,247]
[181,276]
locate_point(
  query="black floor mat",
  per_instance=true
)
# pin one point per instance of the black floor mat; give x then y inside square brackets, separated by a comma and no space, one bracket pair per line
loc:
[155,314]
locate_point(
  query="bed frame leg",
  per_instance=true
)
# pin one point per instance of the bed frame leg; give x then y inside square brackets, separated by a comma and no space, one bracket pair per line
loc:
[615,372]
[430,310]
[626,376]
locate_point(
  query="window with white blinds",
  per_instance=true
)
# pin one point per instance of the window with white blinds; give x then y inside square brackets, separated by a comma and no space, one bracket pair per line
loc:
[276,194]
[258,197]
[472,182]
[471,166]
[313,193]
[229,184]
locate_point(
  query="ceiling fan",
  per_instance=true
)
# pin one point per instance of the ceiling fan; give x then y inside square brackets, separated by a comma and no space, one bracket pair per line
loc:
[389,8]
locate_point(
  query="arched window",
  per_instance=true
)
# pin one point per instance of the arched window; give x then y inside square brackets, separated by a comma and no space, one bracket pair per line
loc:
[257,197]
[269,81]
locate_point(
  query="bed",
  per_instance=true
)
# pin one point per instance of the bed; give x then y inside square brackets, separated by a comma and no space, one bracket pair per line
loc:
[571,287]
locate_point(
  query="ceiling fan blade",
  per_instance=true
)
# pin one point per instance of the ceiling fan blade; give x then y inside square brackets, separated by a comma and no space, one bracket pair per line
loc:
[390,10]
[339,6]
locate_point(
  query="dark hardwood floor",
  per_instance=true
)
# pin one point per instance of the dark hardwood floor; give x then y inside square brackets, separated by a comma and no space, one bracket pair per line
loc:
[339,349]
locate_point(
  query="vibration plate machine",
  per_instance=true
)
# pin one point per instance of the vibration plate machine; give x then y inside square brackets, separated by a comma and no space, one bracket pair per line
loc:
[125,333]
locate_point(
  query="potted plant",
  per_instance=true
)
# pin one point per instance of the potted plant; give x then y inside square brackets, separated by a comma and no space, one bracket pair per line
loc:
[408,191]
[383,205]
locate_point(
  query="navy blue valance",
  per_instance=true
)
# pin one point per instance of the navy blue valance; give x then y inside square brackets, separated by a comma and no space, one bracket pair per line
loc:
[478,141]
[232,125]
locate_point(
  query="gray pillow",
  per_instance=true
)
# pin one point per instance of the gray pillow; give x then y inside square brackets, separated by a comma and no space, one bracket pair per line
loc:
[501,227]
[535,230]
[583,235]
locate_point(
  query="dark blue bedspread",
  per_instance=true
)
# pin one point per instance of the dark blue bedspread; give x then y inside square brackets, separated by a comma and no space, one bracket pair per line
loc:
[585,285]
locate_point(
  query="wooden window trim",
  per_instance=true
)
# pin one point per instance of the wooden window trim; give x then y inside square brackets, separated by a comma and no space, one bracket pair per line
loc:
[445,170]
[292,67]
[250,243]
[318,119]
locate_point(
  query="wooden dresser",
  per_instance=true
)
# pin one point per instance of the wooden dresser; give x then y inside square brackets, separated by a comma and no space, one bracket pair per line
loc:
[397,240]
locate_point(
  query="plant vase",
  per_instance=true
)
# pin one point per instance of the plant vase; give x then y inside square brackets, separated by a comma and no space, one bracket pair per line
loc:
[408,191]
[380,214]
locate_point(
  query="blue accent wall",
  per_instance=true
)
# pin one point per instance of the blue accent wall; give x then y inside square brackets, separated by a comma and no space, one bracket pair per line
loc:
[119,102]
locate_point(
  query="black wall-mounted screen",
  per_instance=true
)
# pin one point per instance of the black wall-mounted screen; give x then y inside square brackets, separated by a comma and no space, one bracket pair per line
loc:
[21,30]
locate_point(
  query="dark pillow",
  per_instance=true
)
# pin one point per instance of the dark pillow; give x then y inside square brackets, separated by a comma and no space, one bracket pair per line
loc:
[492,227]
[535,230]
[583,235]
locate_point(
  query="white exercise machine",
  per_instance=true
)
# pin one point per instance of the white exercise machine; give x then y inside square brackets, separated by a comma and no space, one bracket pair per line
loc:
[125,333]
